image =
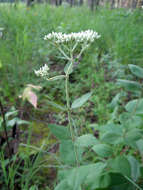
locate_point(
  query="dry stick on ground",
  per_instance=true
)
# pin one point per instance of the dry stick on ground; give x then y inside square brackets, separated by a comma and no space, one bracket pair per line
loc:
[4,127]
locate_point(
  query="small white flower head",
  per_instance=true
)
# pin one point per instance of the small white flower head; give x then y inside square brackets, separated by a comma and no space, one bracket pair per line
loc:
[87,36]
[43,71]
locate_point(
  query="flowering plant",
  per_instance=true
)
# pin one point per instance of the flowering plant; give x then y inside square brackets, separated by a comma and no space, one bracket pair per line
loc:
[67,44]
[118,139]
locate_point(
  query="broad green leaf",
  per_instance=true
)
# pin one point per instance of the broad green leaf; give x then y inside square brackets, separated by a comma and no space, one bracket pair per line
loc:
[54,104]
[139,144]
[0,64]
[33,187]
[131,86]
[130,121]
[115,101]
[119,182]
[11,113]
[56,78]
[86,140]
[132,136]
[85,174]
[111,127]
[61,132]
[16,120]
[80,101]
[136,70]
[103,150]
[63,185]
[95,178]
[68,154]
[135,106]
[99,182]
[68,68]
[120,165]
[111,138]
[135,168]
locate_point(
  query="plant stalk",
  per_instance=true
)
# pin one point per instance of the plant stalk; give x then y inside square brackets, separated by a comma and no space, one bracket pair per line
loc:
[69,116]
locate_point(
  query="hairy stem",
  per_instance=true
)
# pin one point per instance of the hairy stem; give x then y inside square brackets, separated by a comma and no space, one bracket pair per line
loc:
[68,106]
[69,116]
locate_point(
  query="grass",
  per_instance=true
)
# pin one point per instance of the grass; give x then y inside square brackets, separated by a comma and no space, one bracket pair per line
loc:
[22,49]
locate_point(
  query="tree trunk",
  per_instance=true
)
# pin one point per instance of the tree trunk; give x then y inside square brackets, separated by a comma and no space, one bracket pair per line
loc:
[92,2]
[139,3]
[39,1]
[112,4]
[28,3]
[97,3]
[71,3]
[134,4]
[80,2]
[60,2]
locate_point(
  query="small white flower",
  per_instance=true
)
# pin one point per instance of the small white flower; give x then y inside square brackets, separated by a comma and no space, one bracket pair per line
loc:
[80,37]
[43,71]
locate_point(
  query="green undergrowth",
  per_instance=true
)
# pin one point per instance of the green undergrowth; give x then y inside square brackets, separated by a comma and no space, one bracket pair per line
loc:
[108,139]
[22,48]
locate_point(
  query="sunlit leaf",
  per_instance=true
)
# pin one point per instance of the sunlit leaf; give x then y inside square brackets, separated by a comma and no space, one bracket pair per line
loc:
[136,70]
[103,150]
[80,101]
[86,140]
[131,86]
[135,106]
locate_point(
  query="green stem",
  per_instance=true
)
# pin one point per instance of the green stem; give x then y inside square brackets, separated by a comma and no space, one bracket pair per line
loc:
[131,181]
[68,106]
[69,115]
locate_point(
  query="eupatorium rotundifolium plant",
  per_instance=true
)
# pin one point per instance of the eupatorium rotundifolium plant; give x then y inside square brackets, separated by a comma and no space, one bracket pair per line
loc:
[71,46]
[68,44]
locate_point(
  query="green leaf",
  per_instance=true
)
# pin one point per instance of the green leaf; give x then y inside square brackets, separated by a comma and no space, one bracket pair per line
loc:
[68,68]
[131,86]
[54,104]
[68,154]
[135,168]
[139,144]
[135,106]
[112,127]
[16,120]
[132,136]
[87,174]
[1,64]
[120,165]
[103,150]
[80,101]
[116,100]
[63,185]
[99,182]
[111,138]
[136,70]
[61,132]
[56,78]
[86,140]
[95,178]
[130,121]
[119,182]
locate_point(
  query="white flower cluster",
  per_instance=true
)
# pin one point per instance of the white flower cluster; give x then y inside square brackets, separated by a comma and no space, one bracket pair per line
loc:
[80,37]
[43,71]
